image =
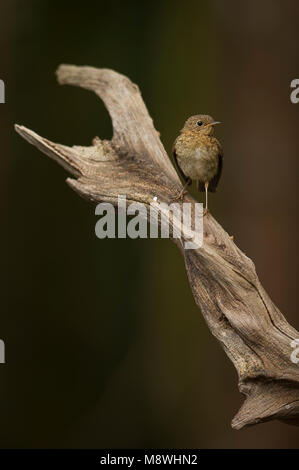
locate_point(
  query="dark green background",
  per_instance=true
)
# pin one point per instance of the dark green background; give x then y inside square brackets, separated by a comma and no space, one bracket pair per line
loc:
[105,346]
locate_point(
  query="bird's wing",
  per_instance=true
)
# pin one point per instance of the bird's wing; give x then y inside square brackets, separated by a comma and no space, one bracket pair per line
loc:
[214,181]
[182,174]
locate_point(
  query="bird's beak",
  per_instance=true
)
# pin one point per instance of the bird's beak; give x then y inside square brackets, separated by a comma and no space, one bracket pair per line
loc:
[212,124]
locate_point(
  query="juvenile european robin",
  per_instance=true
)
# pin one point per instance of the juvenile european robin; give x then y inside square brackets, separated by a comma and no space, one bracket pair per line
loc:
[198,154]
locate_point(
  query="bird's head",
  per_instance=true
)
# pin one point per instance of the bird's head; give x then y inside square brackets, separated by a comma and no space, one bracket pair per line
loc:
[200,123]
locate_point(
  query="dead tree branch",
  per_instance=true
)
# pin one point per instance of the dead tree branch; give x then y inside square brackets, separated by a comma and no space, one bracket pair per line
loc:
[238,311]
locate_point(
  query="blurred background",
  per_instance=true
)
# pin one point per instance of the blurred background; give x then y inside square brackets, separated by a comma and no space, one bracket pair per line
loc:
[105,346]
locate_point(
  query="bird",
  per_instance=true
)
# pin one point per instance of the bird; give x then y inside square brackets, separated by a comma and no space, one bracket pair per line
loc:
[198,155]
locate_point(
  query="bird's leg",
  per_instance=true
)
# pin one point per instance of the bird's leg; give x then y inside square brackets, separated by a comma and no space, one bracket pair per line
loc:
[206,189]
[183,191]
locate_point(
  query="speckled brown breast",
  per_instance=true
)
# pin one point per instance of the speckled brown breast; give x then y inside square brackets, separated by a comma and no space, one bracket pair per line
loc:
[198,157]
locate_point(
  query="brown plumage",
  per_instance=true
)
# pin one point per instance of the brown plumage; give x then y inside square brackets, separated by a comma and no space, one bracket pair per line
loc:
[198,154]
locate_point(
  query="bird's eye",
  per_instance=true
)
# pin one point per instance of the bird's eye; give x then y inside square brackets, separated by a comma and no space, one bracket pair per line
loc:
[199,123]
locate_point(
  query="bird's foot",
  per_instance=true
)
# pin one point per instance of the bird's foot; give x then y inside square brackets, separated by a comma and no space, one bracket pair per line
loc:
[232,237]
[180,196]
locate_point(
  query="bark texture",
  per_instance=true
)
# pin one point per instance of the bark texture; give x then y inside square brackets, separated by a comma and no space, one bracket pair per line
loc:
[238,311]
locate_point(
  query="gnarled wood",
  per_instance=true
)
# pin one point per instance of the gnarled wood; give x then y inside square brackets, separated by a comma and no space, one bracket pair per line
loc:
[238,311]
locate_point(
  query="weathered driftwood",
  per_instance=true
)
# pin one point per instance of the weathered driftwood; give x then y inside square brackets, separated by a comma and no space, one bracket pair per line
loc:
[238,311]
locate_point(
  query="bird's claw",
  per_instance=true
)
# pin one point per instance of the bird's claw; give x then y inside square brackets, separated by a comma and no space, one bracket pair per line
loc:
[180,196]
